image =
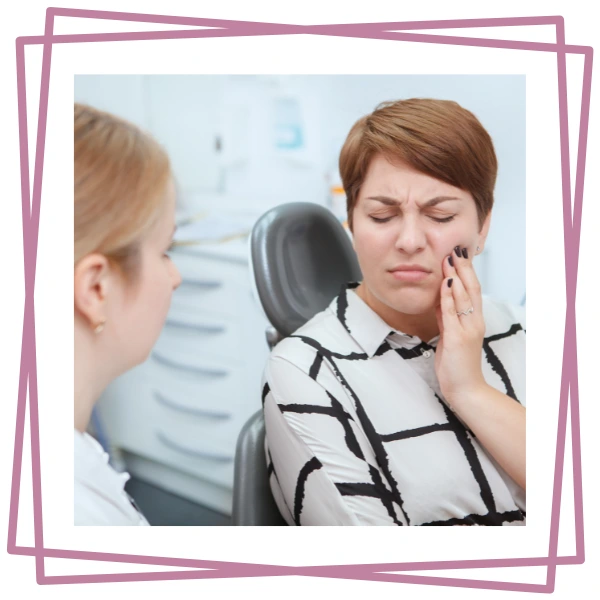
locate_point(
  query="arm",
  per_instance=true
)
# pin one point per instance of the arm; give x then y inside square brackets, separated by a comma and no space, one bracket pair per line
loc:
[495,418]
[498,422]
[324,472]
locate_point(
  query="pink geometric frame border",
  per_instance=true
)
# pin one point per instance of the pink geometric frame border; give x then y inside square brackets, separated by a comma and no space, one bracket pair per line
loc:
[220,569]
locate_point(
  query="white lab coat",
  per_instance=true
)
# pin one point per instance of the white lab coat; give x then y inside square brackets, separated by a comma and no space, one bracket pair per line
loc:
[100,496]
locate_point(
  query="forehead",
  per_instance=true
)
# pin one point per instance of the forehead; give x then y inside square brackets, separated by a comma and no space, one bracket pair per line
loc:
[165,218]
[169,201]
[402,182]
[170,194]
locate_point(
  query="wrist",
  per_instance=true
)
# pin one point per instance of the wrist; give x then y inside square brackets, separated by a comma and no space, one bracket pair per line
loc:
[468,395]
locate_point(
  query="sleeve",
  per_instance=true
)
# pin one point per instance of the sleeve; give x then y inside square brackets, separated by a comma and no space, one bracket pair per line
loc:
[322,468]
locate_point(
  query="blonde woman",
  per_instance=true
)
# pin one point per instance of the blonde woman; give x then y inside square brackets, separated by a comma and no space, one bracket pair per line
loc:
[123,281]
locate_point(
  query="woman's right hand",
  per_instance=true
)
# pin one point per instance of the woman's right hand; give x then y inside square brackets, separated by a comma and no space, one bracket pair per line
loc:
[458,354]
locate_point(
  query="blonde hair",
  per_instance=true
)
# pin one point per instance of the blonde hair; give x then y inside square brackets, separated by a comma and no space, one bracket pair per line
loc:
[121,176]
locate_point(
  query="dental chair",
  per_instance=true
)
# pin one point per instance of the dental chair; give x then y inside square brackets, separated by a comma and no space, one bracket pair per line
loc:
[300,256]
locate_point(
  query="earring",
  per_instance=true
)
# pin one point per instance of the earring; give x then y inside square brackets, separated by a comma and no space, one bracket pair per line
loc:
[477,248]
[99,327]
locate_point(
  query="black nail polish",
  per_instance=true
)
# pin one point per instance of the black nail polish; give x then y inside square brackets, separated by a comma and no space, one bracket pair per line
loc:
[465,253]
[451,261]
[457,251]
[450,282]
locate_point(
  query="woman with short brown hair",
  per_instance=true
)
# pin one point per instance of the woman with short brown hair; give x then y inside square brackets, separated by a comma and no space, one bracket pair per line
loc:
[403,403]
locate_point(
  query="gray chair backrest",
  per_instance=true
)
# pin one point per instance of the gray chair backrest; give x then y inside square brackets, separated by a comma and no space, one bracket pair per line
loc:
[253,503]
[301,255]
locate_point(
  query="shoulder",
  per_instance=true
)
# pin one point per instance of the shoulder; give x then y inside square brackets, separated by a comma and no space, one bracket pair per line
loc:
[99,496]
[323,335]
[101,506]
[91,507]
[500,316]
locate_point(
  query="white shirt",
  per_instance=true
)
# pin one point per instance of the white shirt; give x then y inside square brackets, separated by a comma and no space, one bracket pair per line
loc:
[358,432]
[100,496]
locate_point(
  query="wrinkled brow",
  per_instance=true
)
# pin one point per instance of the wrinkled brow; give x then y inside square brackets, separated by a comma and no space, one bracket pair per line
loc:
[388,201]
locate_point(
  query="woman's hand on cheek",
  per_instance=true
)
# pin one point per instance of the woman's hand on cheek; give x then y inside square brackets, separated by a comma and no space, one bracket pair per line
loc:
[458,355]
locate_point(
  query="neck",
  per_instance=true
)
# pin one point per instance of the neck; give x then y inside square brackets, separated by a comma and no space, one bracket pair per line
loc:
[89,380]
[423,325]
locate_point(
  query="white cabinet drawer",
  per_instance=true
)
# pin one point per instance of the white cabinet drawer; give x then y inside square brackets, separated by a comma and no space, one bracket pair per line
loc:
[198,456]
[196,444]
[202,270]
[210,286]
[198,438]
[205,437]
[187,334]
[218,298]
[195,459]
[193,265]
[196,406]
[216,399]
[201,373]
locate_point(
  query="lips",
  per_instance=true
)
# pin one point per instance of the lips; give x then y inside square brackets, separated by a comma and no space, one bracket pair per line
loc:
[410,268]
[410,273]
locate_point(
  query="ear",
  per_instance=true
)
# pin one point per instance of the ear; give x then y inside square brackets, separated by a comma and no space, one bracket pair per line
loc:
[91,284]
[484,231]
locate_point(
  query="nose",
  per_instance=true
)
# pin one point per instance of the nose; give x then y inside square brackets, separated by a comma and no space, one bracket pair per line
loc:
[410,236]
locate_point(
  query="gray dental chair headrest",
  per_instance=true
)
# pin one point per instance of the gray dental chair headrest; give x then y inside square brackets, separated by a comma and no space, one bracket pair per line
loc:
[301,255]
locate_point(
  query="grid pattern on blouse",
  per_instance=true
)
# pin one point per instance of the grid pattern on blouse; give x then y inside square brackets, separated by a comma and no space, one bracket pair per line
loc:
[381,481]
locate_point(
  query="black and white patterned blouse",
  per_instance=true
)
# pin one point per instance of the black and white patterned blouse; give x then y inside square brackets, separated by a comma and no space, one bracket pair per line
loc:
[358,432]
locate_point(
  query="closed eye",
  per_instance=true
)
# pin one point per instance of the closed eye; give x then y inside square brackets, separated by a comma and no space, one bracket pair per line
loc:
[169,249]
[436,219]
[444,220]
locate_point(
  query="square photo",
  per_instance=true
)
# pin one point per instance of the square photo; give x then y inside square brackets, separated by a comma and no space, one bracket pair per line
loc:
[299,300]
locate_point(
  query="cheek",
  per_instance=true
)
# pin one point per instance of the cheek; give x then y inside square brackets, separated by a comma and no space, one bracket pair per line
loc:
[164,287]
[372,241]
[158,290]
[445,237]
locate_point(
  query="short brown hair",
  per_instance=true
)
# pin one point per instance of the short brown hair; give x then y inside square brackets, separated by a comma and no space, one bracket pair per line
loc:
[439,138]
[121,176]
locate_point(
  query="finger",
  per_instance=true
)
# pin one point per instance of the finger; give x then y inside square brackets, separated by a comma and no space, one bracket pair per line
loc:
[462,301]
[448,269]
[463,266]
[447,306]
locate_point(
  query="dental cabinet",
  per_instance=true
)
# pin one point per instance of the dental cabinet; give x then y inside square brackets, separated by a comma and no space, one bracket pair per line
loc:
[175,418]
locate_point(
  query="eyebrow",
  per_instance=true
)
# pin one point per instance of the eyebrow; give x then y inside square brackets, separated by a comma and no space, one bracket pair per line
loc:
[393,202]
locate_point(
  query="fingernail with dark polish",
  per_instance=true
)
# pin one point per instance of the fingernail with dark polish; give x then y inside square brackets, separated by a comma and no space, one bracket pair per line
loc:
[450,282]
[457,250]
[451,261]
[465,253]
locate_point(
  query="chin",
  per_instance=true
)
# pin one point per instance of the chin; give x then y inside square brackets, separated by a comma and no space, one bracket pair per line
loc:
[412,302]
[139,357]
